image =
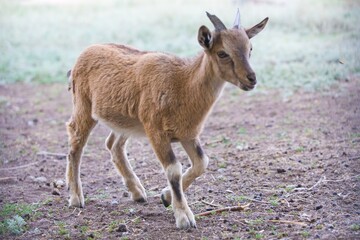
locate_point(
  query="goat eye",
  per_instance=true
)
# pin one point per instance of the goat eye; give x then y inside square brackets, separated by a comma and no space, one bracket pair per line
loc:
[222,54]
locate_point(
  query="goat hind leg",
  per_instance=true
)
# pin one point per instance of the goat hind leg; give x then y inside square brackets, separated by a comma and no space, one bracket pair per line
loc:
[199,162]
[78,129]
[116,144]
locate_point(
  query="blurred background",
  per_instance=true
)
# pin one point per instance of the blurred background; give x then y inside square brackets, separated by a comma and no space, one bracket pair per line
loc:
[306,44]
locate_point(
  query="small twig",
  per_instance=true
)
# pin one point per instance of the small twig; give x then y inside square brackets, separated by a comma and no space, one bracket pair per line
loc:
[323,178]
[258,201]
[226,209]
[193,203]
[135,219]
[288,204]
[340,180]
[21,166]
[288,222]
[44,153]
[71,212]
[210,204]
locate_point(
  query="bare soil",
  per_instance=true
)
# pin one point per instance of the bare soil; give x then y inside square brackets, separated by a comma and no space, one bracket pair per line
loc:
[295,160]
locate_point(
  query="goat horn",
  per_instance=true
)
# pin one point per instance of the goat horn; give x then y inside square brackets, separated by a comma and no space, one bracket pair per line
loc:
[219,26]
[237,19]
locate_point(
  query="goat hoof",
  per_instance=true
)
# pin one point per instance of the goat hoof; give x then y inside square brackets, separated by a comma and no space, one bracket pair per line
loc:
[185,219]
[76,201]
[139,195]
[166,197]
[166,203]
[140,200]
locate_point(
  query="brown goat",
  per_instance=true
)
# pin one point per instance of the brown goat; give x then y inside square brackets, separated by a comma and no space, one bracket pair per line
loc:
[157,95]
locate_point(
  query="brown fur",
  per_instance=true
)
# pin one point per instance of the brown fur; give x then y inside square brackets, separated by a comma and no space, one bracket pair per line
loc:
[157,95]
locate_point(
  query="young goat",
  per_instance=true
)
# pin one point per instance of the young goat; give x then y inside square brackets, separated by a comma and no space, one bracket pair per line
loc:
[157,95]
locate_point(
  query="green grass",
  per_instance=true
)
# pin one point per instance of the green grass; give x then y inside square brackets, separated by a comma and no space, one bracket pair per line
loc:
[301,47]
[355,227]
[63,229]
[305,234]
[13,217]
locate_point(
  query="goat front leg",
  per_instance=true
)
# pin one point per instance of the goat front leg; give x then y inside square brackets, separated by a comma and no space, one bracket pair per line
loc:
[199,162]
[173,170]
[116,144]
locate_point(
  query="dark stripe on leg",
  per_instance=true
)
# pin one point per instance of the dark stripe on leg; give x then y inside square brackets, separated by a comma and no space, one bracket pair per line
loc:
[199,151]
[172,157]
[175,184]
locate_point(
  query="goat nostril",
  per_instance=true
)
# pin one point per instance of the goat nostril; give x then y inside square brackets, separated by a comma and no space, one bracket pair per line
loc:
[252,78]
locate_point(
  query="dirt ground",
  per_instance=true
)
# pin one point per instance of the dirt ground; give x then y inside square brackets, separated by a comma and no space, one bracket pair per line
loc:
[295,160]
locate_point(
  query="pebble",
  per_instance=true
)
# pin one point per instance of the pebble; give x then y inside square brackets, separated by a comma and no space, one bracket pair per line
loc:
[318,207]
[55,191]
[32,122]
[59,183]
[114,202]
[280,170]
[126,194]
[121,228]
[40,179]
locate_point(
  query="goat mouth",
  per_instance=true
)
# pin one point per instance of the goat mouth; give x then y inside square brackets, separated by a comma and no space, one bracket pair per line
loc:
[246,87]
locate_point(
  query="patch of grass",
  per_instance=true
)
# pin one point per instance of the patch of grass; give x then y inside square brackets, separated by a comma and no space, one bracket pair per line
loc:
[100,194]
[237,198]
[199,217]
[114,213]
[354,135]
[13,217]
[257,221]
[14,225]
[305,234]
[136,220]
[62,230]
[355,227]
[273,230]
[17,209]
[270,210]
[225,140]
[84,230]
[319,226]
[256,234]
[299,149]
[222,165]
[274,201]
[289,188]
[242,131]
[114,225]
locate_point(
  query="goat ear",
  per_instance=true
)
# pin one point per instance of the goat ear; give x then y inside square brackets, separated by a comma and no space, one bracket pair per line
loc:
[257,28]
[205,38]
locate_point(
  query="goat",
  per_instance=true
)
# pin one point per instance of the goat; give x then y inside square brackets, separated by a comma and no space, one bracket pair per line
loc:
[157,95]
